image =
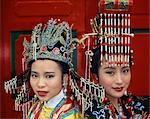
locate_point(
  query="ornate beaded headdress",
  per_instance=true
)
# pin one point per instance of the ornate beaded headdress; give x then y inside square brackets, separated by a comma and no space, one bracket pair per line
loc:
[112,35]
[112,31]
[53,41]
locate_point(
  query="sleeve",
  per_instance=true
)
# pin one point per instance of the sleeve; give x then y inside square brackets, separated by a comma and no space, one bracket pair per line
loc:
[98,111]
[73,113]
[141,106]
[75,116]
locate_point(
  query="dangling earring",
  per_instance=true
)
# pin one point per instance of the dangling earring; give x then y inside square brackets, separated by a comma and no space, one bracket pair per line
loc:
[65,92]
[96,78]
[65,83]
[126,93]
[101,94]
[35,96]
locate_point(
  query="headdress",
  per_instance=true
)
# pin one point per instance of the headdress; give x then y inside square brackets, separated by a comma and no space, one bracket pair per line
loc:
[53,41]
[111,33]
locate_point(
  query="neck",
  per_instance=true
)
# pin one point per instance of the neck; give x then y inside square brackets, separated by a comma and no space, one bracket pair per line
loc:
[55,100]
[114,101]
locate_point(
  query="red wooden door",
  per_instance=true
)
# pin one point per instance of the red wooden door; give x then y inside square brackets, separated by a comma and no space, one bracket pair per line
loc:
[20,16]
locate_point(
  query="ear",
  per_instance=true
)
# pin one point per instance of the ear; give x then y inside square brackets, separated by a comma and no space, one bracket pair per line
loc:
[96,80]
[65,78]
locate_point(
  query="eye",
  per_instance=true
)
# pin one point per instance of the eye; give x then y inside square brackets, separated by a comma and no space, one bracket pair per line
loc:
[126,70]
[110,73]
[49,76]
[34,76]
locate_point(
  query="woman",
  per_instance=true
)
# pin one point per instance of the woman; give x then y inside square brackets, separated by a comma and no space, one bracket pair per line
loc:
[48,60]
[48,81]
[115,77]
[109,58]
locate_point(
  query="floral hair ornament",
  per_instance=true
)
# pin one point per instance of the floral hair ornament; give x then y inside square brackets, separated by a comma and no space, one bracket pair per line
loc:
[52,41]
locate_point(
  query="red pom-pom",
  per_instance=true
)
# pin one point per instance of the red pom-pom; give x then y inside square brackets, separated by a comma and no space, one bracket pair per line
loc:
[129,100]
[105,100]
[110,107]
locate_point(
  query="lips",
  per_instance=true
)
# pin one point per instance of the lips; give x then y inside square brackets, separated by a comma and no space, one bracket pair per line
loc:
[118,89]
[42,93]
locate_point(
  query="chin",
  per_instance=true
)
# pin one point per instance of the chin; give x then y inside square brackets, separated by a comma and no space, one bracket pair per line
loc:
[43,99]
[117,94]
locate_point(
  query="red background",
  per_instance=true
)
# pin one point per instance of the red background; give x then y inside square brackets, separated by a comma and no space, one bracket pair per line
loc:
[23,15]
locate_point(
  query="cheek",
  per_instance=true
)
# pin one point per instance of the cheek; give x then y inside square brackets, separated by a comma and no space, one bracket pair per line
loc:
[127,79]
[105,81]
[32,83]
[54,84]
[127,82]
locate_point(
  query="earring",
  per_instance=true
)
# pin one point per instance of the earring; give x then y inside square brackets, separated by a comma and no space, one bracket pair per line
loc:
[65,88]
[126,93]
[101,94]
[35,96]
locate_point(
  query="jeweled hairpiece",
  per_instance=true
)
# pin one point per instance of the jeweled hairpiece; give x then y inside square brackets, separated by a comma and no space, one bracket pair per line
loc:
[52,41]
[113,36]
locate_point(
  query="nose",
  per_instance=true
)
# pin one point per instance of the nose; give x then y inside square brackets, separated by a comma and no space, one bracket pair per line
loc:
[41,83]
[118,79]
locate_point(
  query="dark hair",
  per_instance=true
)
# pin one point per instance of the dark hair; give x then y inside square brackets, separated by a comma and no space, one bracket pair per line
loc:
[24,77]
[97,56]
[96,61]
[64,66]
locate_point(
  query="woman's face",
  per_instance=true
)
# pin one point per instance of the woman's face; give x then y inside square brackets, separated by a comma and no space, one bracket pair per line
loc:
[46,79]
[115,79]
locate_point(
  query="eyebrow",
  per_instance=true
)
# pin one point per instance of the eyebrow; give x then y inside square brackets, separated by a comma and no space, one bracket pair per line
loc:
[44,72]
[115,68]
[49,72]
[34,72]
[125,67]
[109,68]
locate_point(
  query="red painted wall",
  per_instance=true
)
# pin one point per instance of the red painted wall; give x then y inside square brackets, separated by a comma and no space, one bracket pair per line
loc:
[23,15]
[0,52]
[140,83]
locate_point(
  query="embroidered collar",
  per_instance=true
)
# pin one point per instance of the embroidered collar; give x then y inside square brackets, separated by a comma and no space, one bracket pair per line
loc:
[52,103]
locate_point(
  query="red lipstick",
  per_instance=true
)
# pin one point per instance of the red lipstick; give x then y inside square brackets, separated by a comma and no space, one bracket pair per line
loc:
[118,89]
[42,93]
